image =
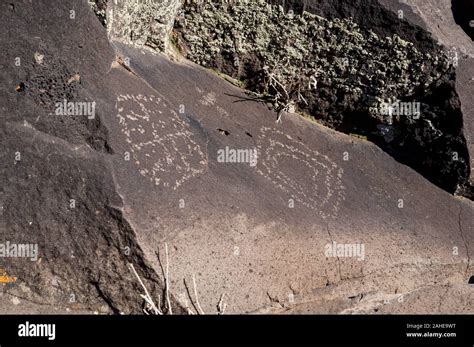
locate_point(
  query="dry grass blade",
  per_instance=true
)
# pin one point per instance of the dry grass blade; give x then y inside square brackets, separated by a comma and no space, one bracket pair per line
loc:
[195,302]
[166,277]
[147,296]
[167,281]
[221,306]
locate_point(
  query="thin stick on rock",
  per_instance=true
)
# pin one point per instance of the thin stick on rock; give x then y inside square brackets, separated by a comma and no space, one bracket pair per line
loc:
[221,306]
[147,296]
[167,281]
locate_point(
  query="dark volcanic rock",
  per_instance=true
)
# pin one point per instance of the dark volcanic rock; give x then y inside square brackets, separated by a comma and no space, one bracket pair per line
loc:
[235,227]
[442,19]
[97,194]
[366,13]
[350,85]
[463,12]
[62,198]
[57,187]
[100,9]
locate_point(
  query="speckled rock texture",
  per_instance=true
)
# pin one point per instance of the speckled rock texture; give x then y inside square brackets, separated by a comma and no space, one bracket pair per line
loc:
[144,176]
[142,23]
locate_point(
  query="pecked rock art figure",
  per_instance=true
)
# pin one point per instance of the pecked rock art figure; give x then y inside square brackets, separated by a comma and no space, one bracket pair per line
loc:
[161,143]
[281,157]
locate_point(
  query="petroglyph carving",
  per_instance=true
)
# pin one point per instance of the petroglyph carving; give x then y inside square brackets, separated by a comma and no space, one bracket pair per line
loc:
[209,99]
[161,143]
[281,157]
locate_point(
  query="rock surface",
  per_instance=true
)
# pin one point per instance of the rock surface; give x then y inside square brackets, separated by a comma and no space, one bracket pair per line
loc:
[58,189]
[97,194]
[143,23]
[342,69]
[441,18]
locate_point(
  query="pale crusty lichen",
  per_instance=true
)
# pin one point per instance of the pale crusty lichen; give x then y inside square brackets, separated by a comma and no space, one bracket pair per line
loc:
[143,23]
[303,52]
[100,9]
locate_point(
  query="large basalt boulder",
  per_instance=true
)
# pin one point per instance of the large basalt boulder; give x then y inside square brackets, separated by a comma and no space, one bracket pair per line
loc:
[340,62]
[449,23]
[166,164]
[57,187]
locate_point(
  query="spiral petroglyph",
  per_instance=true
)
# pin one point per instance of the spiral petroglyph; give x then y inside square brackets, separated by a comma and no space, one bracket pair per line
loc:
[281,158]
[161,143]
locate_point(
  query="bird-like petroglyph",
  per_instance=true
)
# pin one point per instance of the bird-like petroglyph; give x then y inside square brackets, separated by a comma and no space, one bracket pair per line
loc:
[307,176]
[161,143]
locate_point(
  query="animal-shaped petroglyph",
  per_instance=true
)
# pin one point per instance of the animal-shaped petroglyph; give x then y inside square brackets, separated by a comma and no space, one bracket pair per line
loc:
[307,176]
[161,143]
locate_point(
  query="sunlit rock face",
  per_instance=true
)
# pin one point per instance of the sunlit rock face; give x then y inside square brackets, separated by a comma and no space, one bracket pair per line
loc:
[316,222]
[358,68]
[367,70]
